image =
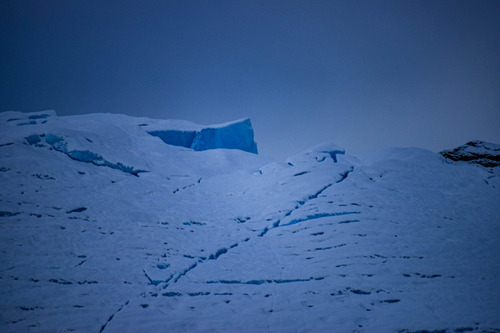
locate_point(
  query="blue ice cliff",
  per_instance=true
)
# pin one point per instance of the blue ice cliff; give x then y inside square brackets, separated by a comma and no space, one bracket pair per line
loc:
[234,135]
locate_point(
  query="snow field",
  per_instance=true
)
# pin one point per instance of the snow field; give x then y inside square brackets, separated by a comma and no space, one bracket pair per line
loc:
[223,240]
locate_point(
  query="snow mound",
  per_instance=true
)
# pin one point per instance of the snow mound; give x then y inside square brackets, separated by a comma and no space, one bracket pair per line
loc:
[319,153]
[476,152]
[126,144]
[234,135]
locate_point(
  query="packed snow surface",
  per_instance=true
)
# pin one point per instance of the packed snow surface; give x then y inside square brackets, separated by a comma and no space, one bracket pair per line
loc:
[110,223]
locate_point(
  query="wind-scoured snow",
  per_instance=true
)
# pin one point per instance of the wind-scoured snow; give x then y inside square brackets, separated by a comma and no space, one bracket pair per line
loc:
[105,228]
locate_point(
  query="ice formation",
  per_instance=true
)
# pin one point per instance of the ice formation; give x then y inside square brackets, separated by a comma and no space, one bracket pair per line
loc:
[234,135]
[224,240]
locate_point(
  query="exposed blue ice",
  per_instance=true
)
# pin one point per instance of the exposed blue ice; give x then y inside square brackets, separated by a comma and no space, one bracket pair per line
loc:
[236,135]
[90,157]
[56,142]
[39,116]
[33,139]
[175,138]
[85,156]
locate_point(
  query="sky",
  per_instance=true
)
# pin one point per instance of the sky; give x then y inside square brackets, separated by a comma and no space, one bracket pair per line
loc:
[362,74]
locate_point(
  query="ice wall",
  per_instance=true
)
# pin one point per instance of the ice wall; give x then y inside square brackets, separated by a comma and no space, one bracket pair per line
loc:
[175,137]
[234,135]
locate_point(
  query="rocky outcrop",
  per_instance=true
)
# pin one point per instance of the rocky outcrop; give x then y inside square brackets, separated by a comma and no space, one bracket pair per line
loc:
[476,152]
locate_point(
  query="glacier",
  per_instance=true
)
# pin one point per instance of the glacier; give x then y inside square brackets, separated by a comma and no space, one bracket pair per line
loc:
[112,223]
[234,135]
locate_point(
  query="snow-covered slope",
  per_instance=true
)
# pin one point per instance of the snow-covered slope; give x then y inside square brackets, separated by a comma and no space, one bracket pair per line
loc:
[106,228]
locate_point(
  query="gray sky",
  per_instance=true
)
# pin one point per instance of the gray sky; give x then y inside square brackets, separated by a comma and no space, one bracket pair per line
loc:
[363,74]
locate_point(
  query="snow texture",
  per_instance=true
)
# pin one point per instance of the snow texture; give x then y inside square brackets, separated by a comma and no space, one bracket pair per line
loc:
[105,228]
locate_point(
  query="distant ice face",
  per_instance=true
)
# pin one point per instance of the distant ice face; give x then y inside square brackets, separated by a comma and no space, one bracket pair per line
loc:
[236,135]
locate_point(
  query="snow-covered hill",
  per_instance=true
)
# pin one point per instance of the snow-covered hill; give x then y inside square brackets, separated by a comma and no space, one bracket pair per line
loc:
[110,223]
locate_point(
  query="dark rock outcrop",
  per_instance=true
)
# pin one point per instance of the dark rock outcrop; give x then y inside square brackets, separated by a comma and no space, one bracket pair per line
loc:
[476,152]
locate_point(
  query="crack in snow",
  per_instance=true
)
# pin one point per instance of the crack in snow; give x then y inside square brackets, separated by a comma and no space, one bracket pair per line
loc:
[156,282]
[224,250]
[85,156]
[301,203]
[318,216]
[103,327]
[259,282]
